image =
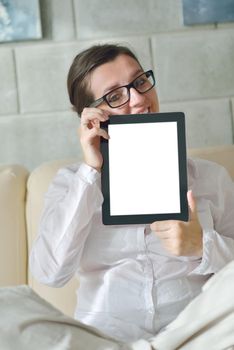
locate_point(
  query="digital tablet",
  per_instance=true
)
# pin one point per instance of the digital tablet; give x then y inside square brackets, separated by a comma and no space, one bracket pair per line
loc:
[144,173]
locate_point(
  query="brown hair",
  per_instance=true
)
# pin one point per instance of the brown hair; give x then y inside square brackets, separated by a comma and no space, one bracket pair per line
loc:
[83,64]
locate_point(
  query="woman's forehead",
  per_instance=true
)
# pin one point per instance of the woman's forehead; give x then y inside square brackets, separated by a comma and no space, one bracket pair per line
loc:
[115,73]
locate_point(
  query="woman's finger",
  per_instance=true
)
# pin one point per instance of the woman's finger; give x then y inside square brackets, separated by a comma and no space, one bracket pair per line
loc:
[98,132]
[91,114]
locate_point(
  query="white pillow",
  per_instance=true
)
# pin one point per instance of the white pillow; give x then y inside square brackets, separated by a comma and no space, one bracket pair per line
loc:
[29,322]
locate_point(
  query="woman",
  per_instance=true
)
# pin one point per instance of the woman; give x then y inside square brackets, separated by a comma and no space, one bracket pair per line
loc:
[134,279]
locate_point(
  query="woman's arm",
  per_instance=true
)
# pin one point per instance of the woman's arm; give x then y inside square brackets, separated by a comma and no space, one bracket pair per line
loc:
[70,203]
[218,243]
[214,244]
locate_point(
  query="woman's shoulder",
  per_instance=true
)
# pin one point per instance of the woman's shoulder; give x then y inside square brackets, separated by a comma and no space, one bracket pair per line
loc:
[79,171]
[201,167]
[206,172]
[68,169]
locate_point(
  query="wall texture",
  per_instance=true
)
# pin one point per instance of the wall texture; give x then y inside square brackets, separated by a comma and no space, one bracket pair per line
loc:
[194,69]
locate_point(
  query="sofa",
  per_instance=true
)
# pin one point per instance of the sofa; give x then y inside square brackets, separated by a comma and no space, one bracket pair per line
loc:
[21,202]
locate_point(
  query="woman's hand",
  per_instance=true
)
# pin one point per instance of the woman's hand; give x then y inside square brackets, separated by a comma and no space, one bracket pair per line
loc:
[181,238]
[90,133]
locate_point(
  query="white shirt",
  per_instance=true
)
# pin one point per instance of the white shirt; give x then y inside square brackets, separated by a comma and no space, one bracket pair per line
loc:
[130,286]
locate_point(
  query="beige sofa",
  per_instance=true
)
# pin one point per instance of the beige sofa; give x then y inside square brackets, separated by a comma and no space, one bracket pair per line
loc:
[21,201]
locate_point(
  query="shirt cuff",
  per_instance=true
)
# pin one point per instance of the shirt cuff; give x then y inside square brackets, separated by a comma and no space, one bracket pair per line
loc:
[88,174]
[206,265]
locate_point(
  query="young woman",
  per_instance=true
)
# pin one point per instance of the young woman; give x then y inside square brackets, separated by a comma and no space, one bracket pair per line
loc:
[134,279]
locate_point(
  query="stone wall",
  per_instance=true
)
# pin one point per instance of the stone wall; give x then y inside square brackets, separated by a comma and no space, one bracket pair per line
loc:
[194,69]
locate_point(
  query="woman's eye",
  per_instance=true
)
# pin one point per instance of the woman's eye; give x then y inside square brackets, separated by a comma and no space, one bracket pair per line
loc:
[139,82]
[114,97]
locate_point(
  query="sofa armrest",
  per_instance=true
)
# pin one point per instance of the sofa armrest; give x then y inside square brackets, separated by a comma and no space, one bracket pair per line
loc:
[13,239]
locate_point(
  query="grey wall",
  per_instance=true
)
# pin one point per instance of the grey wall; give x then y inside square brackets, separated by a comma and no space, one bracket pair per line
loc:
[194,68]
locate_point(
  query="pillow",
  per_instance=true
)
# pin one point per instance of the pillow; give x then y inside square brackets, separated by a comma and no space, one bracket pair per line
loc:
[29,322]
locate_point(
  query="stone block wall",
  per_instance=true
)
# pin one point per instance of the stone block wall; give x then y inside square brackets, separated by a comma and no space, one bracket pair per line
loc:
[194,69]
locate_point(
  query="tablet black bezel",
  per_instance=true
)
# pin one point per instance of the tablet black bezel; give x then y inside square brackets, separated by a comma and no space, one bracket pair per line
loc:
[177,117]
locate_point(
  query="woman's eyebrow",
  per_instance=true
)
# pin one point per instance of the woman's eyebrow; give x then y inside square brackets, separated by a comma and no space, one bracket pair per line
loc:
[110,88]
[116,85]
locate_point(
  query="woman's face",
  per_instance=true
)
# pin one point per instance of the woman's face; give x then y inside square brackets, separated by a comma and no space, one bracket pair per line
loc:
[122,71]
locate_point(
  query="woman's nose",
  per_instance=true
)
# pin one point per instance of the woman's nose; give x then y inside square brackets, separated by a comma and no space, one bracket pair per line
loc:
[136,98]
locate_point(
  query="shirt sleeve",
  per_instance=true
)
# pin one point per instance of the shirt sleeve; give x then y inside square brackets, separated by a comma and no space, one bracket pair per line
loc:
[218,243]
[70,203]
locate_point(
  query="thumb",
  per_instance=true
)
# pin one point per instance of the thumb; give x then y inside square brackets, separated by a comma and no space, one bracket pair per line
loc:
[192,206]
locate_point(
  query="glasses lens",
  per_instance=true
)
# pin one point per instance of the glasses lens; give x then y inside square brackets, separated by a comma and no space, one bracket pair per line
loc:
[144,82]
[118,97]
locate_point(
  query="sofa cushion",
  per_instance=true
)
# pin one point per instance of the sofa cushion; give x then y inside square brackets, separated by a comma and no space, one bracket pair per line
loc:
[63,298]
[223,155]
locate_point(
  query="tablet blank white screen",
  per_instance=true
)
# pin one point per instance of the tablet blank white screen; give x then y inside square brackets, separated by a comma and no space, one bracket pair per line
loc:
[143,168]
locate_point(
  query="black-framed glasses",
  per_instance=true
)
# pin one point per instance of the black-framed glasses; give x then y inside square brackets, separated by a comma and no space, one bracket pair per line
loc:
[121,95]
